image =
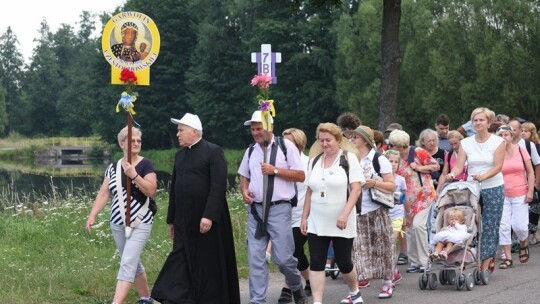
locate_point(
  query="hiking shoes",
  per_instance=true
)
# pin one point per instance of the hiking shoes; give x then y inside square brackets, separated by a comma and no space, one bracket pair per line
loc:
[300,296]
[286,296]
[307,290]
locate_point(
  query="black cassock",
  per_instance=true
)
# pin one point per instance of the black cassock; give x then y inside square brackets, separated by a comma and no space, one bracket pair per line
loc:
[201,268]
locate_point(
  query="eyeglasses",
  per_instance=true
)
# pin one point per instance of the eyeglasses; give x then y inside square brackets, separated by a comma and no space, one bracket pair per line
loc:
[133,141]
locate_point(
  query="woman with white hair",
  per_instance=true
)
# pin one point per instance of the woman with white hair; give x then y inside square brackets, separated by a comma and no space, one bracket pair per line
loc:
[429,141]
[416,166]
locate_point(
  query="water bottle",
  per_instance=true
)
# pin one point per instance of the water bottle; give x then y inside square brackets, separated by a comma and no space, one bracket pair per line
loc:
[399,198]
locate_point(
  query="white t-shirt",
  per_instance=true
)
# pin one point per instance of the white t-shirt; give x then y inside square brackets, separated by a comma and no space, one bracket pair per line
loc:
[401,186]
[367,168]
[480,158]
[302,188]
[329,196]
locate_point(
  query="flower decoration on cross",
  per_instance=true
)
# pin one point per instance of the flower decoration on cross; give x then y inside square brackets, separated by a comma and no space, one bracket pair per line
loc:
[128,97]
[266,105]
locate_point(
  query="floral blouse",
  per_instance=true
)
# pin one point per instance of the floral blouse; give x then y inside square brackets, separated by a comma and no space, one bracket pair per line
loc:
[420,194]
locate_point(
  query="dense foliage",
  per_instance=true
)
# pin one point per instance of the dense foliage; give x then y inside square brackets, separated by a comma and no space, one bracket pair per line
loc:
[454,56]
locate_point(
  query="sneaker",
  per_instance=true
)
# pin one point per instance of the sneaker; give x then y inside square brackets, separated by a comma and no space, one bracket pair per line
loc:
[145,301]
[286,296]
[307,290]
[412,268]
[397,278]
[386,292]
[356,299]
[300,296]
[363,284]
[403,259]
[532,239]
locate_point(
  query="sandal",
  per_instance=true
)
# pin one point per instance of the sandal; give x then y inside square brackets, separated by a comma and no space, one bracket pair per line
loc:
[506,264]
[443,255]
[524,258]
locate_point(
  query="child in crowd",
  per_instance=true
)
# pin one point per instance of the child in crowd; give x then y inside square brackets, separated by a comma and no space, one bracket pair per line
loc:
[455,232]
[397,214]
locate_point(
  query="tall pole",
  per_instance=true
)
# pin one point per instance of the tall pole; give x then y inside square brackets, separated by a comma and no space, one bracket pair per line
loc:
[128,179]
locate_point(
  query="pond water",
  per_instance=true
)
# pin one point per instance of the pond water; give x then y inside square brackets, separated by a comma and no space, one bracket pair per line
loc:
[29,181]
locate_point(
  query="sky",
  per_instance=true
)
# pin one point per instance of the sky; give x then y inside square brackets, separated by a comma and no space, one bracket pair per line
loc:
[25,16]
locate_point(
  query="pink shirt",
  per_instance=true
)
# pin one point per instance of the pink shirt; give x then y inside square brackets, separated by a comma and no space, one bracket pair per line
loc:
[515,174]
[453,160]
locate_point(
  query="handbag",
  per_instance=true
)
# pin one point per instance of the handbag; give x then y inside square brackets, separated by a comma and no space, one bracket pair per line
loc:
[536,198]
[381,197]
[384,198]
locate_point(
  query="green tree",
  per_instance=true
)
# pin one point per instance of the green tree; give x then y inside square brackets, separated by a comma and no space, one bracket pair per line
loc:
[3,112]
[358,65]
[42,85]
[11,65]
[216,81]
[76,100]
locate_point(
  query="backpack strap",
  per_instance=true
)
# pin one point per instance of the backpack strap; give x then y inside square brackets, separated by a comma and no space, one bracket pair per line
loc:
[376,164]
[122,201]
[527,146]
[314,161]
[282,146]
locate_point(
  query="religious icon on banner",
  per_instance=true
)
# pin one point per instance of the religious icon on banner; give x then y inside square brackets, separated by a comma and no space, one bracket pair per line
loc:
[131,40]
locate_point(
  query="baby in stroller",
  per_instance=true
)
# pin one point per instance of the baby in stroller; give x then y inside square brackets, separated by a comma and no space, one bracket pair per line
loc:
[454,233]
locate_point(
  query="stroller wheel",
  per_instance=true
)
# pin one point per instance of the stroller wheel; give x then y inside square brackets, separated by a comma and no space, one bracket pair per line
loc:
[476,277]
[423,281]
[432,281]
[451,277]
[484,276]
[469,281]
[460,282]
[335,273]
[443,277]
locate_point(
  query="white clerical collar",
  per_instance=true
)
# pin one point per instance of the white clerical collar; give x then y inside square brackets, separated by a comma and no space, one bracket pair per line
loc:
[198,140]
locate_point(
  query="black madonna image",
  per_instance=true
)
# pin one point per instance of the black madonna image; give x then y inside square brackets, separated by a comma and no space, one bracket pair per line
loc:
[131,41]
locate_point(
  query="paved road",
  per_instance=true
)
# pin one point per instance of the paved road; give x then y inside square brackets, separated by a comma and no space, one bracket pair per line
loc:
[520,284]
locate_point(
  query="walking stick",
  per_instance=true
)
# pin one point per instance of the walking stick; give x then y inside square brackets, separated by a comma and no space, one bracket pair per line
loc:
[265,203]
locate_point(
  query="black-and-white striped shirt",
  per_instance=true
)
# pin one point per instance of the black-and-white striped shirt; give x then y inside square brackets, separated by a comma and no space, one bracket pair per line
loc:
[144,167]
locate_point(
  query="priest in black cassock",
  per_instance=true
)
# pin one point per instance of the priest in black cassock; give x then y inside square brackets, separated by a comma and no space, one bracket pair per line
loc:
[201,267]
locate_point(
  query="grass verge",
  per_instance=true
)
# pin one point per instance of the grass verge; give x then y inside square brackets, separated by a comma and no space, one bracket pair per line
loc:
[47,257]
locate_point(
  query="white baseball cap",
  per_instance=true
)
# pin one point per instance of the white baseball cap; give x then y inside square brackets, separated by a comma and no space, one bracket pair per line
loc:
[190,120]
[257,117]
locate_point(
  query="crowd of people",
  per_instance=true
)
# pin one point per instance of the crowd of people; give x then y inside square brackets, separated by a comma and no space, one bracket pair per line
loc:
[326,199]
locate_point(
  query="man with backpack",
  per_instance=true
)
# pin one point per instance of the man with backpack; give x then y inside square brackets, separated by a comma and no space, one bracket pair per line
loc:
[273,223]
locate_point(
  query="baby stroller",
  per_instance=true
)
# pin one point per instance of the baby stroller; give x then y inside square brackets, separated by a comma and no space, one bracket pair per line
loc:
[462,257]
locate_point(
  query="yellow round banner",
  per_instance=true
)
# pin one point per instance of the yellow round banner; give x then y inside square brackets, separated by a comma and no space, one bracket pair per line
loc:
[131,40]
